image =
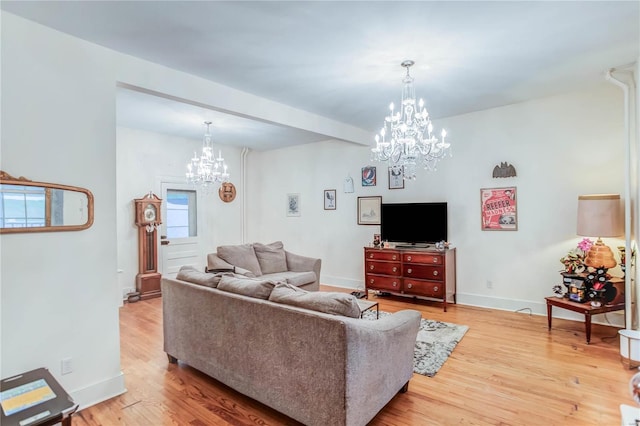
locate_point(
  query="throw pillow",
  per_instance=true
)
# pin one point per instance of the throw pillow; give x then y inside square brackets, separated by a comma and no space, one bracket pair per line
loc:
[260,289]
[215,264]
[190,274]
[271,257]
[328,302]
[241,255]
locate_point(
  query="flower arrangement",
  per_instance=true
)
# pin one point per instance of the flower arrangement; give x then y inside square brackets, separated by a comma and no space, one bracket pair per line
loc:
[574,260]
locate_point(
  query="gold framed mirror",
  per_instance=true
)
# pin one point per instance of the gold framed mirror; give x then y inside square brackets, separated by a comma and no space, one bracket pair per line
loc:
[28,206]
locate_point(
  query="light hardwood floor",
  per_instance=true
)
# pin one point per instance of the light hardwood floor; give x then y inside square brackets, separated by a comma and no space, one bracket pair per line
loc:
[507,370]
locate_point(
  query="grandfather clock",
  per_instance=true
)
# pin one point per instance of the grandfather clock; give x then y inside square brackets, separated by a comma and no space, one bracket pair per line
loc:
[148,220]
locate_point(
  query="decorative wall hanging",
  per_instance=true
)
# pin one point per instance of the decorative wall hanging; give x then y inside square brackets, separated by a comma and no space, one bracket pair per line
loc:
[347,186]
[504,170]
[396,178]
[369,176]
[498,209]
[329,199]
[293,204]
[369,210]
[227,192]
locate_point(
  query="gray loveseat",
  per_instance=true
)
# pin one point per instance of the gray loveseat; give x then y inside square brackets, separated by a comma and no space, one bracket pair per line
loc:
[317,368]
[268,261]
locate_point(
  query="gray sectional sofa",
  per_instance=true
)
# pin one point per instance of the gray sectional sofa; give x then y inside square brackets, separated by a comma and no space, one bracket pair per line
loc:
[268,261]
[315,367]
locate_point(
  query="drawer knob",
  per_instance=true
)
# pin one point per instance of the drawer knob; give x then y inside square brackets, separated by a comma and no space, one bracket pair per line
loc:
[371,281]
[435,273]
[409,258]
[435,288]
[395,269]
[394,257]
[435,260]
[370,255]
[395,284]
[409,285]
[409,270]
[371,267]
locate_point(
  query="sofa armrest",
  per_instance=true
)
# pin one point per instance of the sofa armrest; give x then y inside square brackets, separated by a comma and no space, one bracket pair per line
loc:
[298,263]
[379,361]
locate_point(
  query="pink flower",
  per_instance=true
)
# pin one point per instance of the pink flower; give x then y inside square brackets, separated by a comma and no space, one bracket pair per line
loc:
[585,244]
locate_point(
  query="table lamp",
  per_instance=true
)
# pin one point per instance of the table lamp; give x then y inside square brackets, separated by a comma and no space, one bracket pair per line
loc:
[600,215]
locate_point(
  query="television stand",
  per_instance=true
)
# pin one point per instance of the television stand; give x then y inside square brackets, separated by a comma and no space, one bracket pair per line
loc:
[424,273]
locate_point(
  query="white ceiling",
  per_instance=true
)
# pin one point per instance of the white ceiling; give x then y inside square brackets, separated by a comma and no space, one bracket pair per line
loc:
[341,59]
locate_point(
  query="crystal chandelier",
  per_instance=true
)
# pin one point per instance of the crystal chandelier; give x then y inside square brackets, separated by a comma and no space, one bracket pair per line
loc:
[409,131]
[206,169]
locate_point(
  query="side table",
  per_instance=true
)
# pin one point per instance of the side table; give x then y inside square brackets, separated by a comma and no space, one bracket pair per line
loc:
[35,398]
[583,308]
[365,305]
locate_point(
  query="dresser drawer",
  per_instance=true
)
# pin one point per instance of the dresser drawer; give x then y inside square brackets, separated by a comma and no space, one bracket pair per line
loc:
[427,272]
[383,283]
[426,258]
[378,254]
[384,268]
[423,288]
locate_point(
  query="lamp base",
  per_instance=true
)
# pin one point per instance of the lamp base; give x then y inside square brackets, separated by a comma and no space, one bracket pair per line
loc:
[600,256]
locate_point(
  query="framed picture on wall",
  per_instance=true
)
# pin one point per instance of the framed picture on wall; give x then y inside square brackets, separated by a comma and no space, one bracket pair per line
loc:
[369,210]
[293,204]
[369,176]
[329,199]
[396,177]
[499,209]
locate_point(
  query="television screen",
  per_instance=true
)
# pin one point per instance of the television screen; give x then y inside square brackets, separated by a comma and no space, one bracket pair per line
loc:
[414,223]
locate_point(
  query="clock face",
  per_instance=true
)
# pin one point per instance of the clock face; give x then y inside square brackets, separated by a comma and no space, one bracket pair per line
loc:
[150,213]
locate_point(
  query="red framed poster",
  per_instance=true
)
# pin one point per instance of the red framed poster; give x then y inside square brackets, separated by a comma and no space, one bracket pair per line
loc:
[498,209]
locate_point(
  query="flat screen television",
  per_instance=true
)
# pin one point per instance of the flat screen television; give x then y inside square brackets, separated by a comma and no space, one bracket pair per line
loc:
[414,223]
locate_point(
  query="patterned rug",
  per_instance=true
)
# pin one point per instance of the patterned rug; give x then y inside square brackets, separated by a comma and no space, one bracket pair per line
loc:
[435,342]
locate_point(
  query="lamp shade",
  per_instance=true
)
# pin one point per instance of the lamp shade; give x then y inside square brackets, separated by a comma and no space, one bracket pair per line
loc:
[600,215]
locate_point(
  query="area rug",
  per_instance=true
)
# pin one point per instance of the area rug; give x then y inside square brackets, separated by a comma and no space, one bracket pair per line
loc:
[435,342]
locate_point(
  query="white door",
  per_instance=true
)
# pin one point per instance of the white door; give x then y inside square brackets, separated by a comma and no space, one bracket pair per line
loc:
[179,233]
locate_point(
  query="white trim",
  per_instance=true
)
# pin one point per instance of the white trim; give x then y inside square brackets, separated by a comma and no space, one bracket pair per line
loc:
[99,392]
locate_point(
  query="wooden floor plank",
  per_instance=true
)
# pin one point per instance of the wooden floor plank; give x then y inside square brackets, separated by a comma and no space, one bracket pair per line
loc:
[507,370]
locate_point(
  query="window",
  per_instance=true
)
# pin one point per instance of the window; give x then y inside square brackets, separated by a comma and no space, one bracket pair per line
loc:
[22,206]
[181,214]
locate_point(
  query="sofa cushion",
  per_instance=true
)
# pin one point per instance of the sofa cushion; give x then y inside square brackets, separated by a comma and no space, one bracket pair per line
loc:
[190,274]
[271,257]
[328,302]
[215,264]
[241,255]
[295,278]
[252,287]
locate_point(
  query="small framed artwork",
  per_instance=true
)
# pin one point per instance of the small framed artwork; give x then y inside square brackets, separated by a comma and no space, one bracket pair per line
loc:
[293,204]
[329,199]
[499,209]
[369,210]
[396,177]
[369,176]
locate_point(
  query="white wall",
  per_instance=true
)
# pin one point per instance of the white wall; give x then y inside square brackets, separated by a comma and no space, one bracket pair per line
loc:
[144,160]
[562,147]
[59,292]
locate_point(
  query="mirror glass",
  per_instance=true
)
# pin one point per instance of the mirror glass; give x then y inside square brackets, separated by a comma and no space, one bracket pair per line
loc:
[27,206]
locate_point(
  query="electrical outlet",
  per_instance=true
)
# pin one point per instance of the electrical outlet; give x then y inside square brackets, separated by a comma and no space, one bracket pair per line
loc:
[489,284]
[66,366]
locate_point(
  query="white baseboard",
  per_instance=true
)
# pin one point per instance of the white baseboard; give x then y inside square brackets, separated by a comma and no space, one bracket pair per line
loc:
[99,392]
[342,282]
[537,308]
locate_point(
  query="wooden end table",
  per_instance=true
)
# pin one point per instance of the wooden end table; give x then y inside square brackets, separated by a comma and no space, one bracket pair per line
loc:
[583,308]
